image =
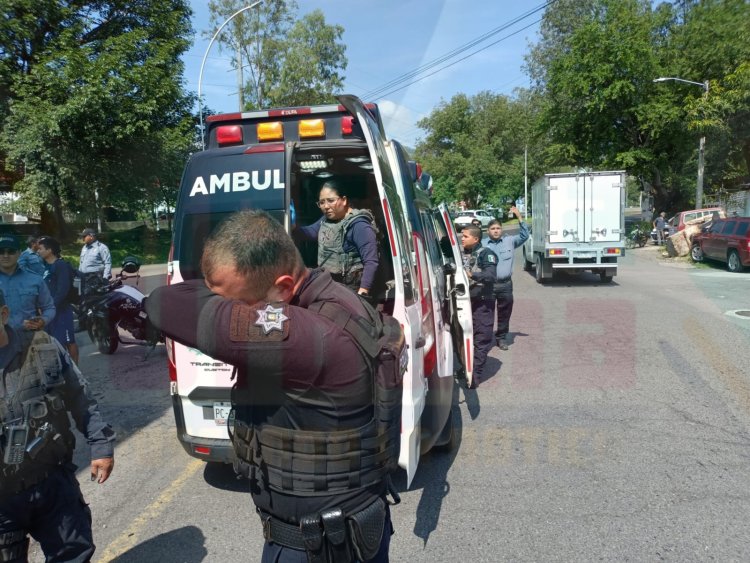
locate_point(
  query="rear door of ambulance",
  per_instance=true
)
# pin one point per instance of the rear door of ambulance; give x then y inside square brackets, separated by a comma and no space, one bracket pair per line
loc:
[462,325]
[216,183]
[407,305]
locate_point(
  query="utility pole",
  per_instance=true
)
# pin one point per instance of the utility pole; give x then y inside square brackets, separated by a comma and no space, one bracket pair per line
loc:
[702,142]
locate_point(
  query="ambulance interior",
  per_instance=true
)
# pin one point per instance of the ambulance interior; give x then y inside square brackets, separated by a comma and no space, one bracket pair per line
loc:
[350,165]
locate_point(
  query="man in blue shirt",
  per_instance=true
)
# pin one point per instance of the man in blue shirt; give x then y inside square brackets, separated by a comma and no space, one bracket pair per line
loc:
[31,305]
[29,259]
[95,256]
[504,247]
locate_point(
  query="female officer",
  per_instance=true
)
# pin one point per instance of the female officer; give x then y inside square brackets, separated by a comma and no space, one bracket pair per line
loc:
[347,243]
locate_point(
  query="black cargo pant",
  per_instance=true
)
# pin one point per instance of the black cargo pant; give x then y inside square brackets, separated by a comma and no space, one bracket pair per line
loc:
[482,312]
[502,291]
[54,514]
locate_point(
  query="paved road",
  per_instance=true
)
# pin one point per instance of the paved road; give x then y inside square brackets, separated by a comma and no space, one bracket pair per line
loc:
[615,428]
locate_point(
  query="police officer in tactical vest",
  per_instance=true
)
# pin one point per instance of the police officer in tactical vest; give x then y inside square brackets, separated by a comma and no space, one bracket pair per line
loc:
[39,493]
[480,264]
[316,404]
[347,241]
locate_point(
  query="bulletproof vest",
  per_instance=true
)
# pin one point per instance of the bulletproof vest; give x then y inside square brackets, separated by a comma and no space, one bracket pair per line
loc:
[316,463]
[35,432]
[331,254]
[471,263]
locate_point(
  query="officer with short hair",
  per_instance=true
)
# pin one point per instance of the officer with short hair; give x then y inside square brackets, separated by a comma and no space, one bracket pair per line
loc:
[480,264]
[504,247]
[39,493]
[95,256]
[305,430]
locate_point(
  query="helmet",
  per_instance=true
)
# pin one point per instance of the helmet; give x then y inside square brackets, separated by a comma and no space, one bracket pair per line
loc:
[131,264]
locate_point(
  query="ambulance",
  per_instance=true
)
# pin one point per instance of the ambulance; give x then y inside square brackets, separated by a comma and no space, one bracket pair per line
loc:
[276,160]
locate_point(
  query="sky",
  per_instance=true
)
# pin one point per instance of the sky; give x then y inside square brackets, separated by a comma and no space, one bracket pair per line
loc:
[386,39]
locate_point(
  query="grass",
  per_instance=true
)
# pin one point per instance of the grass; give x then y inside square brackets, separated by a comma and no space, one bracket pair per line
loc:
[151,247]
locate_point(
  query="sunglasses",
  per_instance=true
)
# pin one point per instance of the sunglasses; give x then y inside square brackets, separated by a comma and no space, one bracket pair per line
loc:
[7,251]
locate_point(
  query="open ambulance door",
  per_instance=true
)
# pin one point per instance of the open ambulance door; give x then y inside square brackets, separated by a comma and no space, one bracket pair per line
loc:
[462,326]
[414,387]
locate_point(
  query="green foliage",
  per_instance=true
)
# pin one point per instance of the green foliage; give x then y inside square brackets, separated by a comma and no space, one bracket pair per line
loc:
[151,247]
[94,89]
[593,70]
[289,61]
[474,147]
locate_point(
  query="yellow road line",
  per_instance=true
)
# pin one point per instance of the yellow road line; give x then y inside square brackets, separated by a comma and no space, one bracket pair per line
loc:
[131,536]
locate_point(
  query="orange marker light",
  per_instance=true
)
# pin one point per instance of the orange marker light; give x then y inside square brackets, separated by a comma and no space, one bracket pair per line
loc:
[270,131]
[312,128]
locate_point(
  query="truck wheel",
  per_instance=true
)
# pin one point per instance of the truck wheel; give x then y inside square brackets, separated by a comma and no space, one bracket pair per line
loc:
[527,265]
[605,277]
[734,264]
[538,269]
[696,253]
[447,440]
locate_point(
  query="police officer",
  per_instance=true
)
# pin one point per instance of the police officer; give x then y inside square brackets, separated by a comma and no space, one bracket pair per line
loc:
[39,493]
[347,242]
[480,264]
[303,399]
[95,256]
[504,247]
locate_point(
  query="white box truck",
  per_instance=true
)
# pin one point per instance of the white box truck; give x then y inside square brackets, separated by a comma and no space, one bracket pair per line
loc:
[578,224]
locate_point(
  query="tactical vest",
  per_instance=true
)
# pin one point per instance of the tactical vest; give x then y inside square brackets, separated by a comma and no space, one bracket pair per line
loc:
[471,263]
[318,463]
[35,434]
[344,266]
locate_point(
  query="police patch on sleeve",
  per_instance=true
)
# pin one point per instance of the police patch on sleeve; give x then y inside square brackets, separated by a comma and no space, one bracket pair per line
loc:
[491,258]
[262,323]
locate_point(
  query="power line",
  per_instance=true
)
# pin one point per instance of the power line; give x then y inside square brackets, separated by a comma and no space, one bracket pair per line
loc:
[377,92]
[384,94]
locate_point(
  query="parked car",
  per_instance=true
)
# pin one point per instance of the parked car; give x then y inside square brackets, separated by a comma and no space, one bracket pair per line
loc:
[725,240]
[677,222]
[479,217]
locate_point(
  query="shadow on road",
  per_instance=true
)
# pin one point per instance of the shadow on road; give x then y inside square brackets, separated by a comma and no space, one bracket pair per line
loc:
[432,478]
[222,476]
[184,545]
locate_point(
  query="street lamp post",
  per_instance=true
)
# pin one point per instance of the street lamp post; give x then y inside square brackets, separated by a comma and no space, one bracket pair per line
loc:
[702,143]
[203,63]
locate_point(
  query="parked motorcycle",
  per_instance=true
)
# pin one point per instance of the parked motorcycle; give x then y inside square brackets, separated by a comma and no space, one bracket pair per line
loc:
[110,308]
[637,237]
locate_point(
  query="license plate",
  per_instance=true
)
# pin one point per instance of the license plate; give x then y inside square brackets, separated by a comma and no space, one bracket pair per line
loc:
[221,413]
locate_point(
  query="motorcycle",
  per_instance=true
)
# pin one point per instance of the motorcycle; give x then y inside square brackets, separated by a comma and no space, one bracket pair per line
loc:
[110,308]
[637,237]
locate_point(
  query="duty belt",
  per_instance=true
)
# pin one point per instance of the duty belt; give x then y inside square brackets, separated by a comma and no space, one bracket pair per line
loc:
[13,486]
[330,537]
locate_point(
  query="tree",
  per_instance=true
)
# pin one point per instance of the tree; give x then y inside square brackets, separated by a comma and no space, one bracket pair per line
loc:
[474,147]
[290,62]
[594,69]
[91,86]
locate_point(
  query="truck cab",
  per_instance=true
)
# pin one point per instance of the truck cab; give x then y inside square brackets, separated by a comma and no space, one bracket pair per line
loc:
[277,160]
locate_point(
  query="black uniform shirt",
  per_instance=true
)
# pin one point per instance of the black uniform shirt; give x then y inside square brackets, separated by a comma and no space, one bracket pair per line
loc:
[296,369]
[483,265]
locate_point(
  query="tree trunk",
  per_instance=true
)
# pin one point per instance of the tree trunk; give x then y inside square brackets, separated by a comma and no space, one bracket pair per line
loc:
[52,220]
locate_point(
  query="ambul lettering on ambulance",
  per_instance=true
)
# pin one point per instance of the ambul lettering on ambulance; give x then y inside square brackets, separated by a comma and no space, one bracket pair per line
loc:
[238,182]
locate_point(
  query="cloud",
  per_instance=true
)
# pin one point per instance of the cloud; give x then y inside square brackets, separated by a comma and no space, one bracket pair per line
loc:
[400,122]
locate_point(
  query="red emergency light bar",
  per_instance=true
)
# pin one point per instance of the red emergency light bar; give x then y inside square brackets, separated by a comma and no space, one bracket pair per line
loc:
[229,135]
[281,112]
